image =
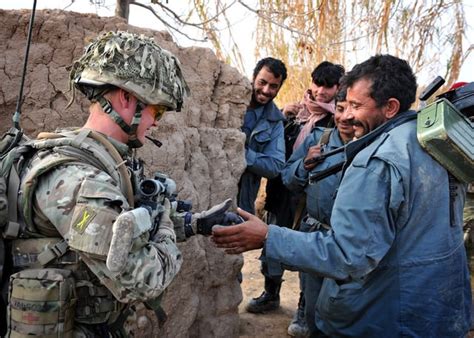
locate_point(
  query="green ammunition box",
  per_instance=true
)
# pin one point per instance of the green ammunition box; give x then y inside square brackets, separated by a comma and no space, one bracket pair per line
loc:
[448,136]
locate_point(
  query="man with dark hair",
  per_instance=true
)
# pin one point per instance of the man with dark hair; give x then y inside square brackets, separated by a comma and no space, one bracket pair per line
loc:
[394,260]
[263,127]
[315,110]
[319,199]
[317,107]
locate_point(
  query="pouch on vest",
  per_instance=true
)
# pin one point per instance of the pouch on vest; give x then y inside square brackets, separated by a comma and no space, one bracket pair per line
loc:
[448,136]
[41,303]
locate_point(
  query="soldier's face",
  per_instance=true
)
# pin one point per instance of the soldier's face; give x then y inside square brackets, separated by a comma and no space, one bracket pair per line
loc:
[151,114]
[265,86]
[363,113]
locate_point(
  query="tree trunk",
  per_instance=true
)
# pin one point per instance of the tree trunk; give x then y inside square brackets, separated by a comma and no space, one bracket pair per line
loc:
[122,8]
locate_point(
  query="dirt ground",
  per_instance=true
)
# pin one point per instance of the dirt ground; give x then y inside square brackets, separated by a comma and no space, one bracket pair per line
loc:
[274,324]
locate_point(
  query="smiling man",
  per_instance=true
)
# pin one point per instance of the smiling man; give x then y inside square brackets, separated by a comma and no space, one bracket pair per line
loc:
[263,127]
[394,261]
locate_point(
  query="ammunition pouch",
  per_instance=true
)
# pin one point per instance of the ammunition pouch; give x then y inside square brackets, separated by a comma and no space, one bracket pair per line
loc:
[41,302]
[95,304]
[447,135]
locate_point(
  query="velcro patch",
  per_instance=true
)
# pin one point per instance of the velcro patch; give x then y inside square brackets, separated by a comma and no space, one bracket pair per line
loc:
[83,220]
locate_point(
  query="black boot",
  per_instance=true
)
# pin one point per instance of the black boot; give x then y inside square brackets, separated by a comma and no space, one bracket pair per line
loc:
[269,300]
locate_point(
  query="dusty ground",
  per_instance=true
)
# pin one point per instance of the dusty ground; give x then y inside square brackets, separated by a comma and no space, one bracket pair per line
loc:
[272,324]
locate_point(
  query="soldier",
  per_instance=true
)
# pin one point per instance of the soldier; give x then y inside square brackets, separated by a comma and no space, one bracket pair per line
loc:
[83,250]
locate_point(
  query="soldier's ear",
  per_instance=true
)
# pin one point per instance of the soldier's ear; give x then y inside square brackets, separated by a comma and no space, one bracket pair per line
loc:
[125,99]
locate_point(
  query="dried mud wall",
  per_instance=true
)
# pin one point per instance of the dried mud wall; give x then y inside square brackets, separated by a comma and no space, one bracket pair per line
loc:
[203,149]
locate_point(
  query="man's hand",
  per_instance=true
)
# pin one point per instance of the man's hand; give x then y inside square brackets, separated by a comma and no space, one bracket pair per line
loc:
[291,109]
[313,152]
[243,237]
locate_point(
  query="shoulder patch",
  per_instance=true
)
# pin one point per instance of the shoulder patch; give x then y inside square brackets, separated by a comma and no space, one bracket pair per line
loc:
[83,219]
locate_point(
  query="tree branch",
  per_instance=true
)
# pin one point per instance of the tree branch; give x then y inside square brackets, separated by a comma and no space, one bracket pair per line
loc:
[169,26]
[197,25]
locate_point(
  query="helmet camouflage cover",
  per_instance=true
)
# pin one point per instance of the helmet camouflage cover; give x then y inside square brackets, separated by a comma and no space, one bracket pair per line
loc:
[134,63]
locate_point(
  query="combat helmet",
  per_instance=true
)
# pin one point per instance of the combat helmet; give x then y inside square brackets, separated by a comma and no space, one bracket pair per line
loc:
[134,63]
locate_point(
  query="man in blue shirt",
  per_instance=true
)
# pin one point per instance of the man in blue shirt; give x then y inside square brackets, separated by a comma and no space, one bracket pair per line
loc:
[319,199]
[263,127]
[394,261]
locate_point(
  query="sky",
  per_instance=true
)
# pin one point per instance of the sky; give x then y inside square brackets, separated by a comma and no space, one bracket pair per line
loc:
[243,23]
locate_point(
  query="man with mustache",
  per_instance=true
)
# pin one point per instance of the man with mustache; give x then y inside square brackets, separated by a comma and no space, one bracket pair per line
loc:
[394,261]
[263,127]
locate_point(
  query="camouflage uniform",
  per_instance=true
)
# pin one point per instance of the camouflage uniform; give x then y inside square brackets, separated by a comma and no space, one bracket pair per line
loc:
[63,199]
[73,191]
[79,202]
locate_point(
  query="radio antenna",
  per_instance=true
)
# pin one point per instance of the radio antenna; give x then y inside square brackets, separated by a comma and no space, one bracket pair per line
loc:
[16,116]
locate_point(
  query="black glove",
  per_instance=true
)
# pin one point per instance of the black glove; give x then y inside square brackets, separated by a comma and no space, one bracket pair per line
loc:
[203,222]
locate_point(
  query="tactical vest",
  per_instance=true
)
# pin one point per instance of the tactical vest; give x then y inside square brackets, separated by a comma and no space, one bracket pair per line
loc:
[47,301]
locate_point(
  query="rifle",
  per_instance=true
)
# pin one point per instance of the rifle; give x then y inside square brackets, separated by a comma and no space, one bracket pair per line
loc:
[151,193]
[353,148]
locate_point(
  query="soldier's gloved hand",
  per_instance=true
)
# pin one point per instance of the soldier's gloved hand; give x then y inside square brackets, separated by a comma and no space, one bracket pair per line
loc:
[166,225]
[202,223]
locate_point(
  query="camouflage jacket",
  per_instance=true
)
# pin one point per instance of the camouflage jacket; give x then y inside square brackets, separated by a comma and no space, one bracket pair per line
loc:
[80,202]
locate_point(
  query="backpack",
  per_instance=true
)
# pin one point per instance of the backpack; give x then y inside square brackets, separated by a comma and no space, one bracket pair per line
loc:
[462,98]
[10,152]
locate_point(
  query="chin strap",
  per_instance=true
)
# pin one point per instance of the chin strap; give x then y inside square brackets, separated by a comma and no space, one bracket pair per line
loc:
[131,130]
